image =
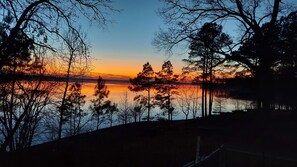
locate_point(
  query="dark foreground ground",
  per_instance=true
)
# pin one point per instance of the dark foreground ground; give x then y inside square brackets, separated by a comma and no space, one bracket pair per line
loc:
[247,139]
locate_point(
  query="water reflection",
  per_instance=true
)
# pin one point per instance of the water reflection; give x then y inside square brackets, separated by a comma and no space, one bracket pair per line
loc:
[116,90]
[46,129]
[222,101]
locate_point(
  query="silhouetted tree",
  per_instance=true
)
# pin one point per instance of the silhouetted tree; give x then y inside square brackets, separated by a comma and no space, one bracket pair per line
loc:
[144,82]
[204,56]
[124,115]
[111,109]
[28,31]
[11,94]
[42,22]
[21,106]
[280,64]
[74,114]
[257,20]
[50,123]
[219,104]
[100,104]
[140,104]
[184,103]
[165,84]
[75,60]
[22,102]
[18,51]
[277,53]
[188,101]
[137,111]
[287,47]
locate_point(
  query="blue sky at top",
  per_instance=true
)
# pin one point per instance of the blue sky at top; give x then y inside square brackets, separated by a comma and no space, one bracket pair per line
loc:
[125,45]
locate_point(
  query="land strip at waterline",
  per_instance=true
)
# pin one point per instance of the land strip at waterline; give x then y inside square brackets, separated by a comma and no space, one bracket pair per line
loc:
[248,139]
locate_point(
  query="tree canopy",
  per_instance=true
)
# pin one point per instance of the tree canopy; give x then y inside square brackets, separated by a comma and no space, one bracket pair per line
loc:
[143,82]
[261,44]
[42,23]
[165,85]
[256,20]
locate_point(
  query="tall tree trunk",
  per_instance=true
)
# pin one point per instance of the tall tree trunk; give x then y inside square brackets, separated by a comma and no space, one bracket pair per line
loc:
[210,92]
[98,119]
[11,133]
[203,94]
[62,108]
[9,141]
[169,106]
[135,118]
[98,113]
[264,75]
[205,101]
[210,102]
[111,120]
[148,103]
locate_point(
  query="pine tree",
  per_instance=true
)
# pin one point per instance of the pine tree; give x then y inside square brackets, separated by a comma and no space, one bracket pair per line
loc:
[166,88]
[99,104]
[74,113]
[144,82]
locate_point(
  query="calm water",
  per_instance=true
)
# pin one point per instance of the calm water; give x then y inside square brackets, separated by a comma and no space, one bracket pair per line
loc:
[117,91]
[221,102]
[47,129]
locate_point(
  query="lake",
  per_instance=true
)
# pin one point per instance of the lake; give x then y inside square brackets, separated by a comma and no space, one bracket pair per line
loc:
[117,91]
[223,101]
[48,117]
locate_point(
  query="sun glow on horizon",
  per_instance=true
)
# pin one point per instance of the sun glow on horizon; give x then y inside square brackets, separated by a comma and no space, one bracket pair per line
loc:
[123,66]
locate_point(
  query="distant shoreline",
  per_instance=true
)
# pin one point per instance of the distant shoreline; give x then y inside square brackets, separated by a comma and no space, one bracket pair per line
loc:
[21,76]
[87,79]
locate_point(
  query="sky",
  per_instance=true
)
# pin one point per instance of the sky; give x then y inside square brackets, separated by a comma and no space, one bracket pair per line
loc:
[125,44]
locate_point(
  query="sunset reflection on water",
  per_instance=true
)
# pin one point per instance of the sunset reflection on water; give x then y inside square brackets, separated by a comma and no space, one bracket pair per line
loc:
[117,91]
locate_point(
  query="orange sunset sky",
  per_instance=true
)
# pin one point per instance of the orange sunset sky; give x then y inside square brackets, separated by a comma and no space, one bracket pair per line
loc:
[122,47]
[125,45]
